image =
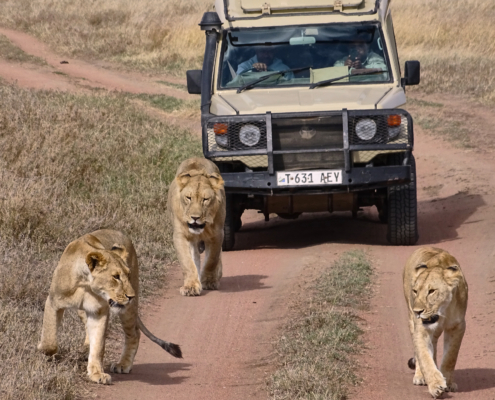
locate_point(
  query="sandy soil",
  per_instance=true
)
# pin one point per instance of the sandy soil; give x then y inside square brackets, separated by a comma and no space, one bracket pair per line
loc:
[227,335]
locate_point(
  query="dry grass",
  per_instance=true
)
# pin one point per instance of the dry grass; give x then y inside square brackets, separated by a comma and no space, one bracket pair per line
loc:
[317,347]
[143,34]
[70,164]
[455,42]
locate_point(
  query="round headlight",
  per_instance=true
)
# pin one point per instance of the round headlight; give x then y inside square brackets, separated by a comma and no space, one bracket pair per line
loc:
[249,135]
[366,129]
[393,132]
[222,140]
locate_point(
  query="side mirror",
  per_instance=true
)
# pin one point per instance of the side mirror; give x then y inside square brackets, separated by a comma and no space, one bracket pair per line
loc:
[412,73]
[194,81]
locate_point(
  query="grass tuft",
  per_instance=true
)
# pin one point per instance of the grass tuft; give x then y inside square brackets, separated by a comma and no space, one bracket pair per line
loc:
[317,348]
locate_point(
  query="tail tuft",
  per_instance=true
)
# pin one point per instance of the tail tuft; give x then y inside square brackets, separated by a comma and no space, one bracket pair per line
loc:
[172,348]
[411,363]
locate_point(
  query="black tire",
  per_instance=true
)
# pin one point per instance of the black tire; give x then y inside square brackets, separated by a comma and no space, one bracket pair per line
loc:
[402,210]
[230,225]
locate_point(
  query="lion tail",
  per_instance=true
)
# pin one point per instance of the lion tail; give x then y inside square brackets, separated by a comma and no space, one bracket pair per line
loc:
[412,363]
[171,348]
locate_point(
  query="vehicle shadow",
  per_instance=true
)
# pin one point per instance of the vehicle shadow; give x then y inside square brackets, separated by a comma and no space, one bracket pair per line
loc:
[438,221]
[154,374]
[473,379]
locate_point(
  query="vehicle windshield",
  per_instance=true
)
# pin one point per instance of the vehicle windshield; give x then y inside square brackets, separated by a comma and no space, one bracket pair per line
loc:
[320,52]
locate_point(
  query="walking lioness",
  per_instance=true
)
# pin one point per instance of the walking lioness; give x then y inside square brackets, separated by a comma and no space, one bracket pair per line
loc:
[436,295]
[196,207]
[96,274]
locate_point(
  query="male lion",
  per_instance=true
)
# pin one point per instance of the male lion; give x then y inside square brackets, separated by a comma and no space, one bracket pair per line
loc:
[96,274]
[436,295]
[196,207]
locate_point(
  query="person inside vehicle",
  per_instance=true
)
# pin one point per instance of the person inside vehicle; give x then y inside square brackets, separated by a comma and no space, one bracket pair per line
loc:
[264,60]
[362,59]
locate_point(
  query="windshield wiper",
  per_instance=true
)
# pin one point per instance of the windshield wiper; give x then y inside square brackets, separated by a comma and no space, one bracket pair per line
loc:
[330,81]
[254,83]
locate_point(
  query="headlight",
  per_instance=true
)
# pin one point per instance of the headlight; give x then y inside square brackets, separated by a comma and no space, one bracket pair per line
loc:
[366,129]
[394,123]
[221,134]
[249,135]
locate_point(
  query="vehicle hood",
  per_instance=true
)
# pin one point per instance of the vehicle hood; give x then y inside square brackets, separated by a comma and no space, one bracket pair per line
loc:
[282,100]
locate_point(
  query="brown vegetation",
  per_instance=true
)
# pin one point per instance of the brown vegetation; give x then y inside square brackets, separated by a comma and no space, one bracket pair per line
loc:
[70,164]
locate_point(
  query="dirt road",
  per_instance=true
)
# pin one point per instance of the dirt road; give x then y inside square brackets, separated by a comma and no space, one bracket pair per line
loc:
[227,335]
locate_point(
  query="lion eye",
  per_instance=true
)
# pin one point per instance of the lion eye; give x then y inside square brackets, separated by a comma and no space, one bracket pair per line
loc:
[206,199]
[415,291]
[431,291]
[117,277]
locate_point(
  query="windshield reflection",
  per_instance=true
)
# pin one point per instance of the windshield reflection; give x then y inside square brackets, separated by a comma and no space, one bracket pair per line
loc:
[330,51]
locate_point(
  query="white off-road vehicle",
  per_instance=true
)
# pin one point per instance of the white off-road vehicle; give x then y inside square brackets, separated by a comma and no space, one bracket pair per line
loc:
[300,110]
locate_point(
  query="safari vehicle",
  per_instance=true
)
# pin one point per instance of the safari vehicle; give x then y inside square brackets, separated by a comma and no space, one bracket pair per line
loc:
[317,127]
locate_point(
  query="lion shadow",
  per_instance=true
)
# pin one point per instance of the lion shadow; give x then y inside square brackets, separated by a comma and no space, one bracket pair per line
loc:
[473,379]
[438,221]
[154,374]
[241,283]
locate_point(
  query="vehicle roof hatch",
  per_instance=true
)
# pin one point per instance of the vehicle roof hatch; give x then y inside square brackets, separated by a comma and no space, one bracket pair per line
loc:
[267,6]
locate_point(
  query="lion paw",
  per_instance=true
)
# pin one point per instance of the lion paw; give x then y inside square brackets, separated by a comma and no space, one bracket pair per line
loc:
[419,381]
[191,290]
[101,377]
[210,284]
[437,387]
[48,350]
[120,368]
[451,387]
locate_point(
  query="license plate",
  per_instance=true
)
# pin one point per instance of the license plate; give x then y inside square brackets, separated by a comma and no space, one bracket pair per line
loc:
[305,178]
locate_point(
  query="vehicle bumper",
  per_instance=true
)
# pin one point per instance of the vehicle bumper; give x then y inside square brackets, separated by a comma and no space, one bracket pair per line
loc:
[355,180]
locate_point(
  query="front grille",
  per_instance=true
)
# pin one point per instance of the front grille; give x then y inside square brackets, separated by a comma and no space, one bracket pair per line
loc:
[307,141]
[304,134]
[293,162]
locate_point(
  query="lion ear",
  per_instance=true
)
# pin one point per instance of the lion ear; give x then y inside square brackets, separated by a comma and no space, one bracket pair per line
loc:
[95,259]
[216,181]
[421,266]
[120,250]
[183,179]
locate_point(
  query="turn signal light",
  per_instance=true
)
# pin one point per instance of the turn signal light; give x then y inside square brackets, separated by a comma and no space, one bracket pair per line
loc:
[220,129]
[394,120]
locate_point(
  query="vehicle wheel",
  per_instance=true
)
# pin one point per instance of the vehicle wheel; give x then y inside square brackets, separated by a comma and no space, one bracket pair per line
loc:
[402,211]
[383,213]
[230,225]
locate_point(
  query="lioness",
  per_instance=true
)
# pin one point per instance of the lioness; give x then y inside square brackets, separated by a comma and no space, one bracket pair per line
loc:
[436,295]
[196,207]
[96,274]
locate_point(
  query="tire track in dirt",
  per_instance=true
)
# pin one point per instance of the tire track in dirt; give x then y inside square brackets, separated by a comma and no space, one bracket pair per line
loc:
[81,73]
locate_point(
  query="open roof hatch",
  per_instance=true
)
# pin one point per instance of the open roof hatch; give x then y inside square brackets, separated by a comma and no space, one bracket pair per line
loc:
[268,6]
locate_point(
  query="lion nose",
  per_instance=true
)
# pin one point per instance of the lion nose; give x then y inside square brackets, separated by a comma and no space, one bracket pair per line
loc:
[130,297]
[418,312]
[195,218]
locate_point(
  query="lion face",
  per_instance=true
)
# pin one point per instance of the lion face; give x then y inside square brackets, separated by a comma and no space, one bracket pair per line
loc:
[433,289]
[111,278]
[200,199]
